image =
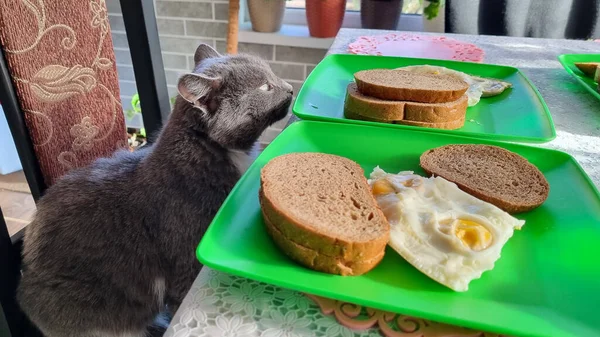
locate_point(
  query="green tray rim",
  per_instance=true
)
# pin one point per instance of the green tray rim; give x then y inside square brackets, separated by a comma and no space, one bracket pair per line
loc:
[204,257]
[296,110]
[562,58]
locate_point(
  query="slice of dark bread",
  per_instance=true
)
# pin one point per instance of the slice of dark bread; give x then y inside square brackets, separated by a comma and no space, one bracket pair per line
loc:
[588,68]
[490,173]
[324,203]
[399,85]
[316,261]
[451,125]
[387,110]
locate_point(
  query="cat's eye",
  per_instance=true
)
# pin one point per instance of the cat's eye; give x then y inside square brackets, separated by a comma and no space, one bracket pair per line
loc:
[266,87]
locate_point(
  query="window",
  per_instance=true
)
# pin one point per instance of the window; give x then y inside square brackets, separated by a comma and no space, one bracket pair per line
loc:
[295,14]
[409,6]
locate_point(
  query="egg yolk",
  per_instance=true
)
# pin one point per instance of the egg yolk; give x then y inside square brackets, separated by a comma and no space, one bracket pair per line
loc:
[473,235]
[383,187]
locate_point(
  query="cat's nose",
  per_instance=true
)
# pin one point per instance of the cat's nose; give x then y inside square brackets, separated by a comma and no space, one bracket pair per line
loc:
[288,87]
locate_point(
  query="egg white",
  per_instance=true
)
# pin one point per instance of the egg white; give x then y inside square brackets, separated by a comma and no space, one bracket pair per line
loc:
[422,214]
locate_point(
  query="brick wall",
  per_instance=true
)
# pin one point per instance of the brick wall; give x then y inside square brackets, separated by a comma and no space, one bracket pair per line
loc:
[182,26]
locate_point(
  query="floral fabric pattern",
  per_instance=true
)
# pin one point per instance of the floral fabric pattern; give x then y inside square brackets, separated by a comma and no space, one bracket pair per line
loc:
[61,60]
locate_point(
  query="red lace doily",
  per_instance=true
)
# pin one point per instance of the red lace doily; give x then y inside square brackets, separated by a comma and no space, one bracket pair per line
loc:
[419,46]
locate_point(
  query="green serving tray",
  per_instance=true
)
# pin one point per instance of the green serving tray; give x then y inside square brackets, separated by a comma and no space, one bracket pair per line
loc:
[547,282]
[568,61]
[518,114]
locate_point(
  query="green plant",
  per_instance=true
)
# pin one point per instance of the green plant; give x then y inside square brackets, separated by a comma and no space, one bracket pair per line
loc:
[136,108]
[433,8]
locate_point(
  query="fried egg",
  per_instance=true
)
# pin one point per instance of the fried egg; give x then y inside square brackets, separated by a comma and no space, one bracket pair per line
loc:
[447,234]
[478,86]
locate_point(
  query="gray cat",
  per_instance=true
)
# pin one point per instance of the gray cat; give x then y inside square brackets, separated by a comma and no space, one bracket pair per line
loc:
[100,262]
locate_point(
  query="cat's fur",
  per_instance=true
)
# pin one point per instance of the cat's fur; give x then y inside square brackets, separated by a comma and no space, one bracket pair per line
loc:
[113,243]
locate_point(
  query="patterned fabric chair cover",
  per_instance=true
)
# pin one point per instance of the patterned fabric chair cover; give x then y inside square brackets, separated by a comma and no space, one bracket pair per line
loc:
[60,55]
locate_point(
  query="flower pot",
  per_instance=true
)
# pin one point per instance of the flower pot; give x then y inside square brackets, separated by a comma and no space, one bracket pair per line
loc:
[266,16]
[325,17]
[380,14]
[437,24]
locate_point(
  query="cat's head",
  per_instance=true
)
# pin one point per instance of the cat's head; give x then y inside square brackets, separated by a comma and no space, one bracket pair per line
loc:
[233,98]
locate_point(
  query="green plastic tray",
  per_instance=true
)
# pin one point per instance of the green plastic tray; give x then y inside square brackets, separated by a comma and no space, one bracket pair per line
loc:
[519,114]
[568,61]
[547,282]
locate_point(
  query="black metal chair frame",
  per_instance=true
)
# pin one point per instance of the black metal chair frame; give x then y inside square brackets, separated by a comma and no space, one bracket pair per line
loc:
[142,36]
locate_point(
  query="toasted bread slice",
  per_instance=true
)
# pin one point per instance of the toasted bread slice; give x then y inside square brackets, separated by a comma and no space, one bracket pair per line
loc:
[319,262]
[399,85]
[398,110]
[490,173]
[350,114]
[588,68]
[451,125]
[323,203]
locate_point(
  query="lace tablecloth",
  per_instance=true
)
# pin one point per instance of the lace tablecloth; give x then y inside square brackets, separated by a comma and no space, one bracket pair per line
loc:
[223,305]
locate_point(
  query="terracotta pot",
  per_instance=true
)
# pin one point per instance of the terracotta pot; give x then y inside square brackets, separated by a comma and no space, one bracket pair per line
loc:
[380,14]
[266,16]
[325,17]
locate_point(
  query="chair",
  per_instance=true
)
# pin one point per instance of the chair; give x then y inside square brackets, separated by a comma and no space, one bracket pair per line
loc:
[59,91]
[558,19]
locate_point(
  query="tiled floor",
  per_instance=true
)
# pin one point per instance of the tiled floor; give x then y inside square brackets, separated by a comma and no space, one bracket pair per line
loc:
[16,202]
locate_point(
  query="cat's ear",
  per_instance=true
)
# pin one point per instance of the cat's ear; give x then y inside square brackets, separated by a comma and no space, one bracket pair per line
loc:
[204,51]
[196,88]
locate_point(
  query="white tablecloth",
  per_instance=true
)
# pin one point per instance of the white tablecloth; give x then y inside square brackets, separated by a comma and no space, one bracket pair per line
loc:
[223,305]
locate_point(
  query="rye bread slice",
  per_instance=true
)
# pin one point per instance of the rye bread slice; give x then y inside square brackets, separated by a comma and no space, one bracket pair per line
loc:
[325,204]
[319,262]
[490,173]
[387,110]
[399,85]
[588,68]
[451,125]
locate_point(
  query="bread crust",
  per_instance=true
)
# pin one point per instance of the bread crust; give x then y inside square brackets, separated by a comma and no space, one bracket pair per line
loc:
[444,125]
[515,163]
[424,88]
[310,237]
[316,261]
[452,125]
[588,68]
[387,110]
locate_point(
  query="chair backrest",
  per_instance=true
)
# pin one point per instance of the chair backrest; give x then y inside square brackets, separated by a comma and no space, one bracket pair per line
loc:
[62,67]
[559,19]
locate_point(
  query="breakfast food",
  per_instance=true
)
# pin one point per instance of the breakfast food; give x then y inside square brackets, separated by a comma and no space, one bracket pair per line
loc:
[478,86]
[402,97]
[490,173]
[385,110]
[588,68]
[398,85]
[455,124]
[325,217]
[592,70]
[447,234]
